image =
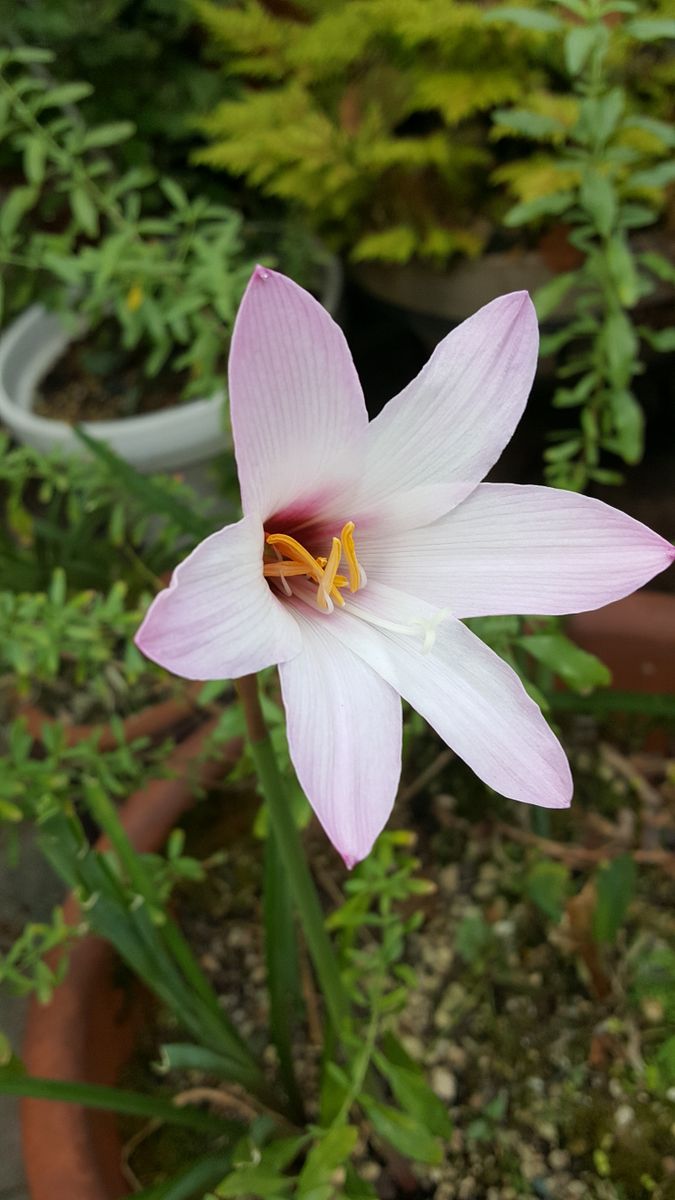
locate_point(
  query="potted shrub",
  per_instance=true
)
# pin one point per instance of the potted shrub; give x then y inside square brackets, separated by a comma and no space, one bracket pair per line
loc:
[390,151]
[457,152]
[138,285]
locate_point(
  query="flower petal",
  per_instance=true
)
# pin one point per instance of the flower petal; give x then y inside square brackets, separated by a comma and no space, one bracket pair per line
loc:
[473,700]
[295,398]
[344,734]
[218,619]
[511,548]
[438,438]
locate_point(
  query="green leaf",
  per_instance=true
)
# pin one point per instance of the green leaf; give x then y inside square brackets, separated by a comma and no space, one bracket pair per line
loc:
[32,54]
[14,207]
[547,886]
[34,159]
[620,344]
[84,211]
[192,1057]
[543,206]
[662,340]
[65,94]
[356,1188]
[602,703]
[155,498]
[621,266]
[13,1082]
[654,177]
[199,1177]
[579,43]
[255,1180]
[629,424]
[283,968]
[330,1151]
[174,193]
[598,117]
[651,29]
[473,937]
[659,129]
[656,263]
[523,122]
[615,888]
[403,1132]
[107,135]
[411,1090]
[576,667]
[598,197]
[550,295]
[665,1061]
[524,18]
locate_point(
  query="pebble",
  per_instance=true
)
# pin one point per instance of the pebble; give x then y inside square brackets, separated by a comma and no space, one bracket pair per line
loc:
[558,1160]
[371,1171]
[623,1116]
[652,1009]
[449,878]
[438,955]
[444,1084]
[467,1188]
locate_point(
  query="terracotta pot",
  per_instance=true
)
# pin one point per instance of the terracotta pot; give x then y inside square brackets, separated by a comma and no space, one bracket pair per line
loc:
[151,721]
[88,1030]
[635,637]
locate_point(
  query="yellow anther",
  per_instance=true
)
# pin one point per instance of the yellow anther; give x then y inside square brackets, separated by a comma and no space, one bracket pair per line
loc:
[282,569]
[357,575]
[294,560]
[297,553]
[326,587]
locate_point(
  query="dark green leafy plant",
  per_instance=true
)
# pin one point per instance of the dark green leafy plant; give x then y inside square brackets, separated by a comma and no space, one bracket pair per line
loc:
[602,167]
[95,240]
[97,521]
[105,43]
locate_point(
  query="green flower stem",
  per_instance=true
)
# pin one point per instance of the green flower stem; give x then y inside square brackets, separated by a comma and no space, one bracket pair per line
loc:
[290,849]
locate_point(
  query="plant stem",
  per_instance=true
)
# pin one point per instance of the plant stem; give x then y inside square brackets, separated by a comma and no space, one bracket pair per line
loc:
[290,849]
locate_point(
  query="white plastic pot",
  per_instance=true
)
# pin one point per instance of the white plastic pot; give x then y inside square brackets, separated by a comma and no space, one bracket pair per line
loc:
[160,441]
[172,439]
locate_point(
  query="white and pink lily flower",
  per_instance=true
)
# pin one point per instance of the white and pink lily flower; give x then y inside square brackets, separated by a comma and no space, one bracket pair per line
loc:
[364,544]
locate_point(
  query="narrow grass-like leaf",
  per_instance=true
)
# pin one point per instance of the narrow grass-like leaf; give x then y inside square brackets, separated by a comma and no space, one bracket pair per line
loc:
[636,703]
[283,971]
[155,498]
[111,1099]
[191,1183]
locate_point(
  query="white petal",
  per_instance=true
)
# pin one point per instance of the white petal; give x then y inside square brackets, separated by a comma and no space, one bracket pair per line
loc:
[438,438]
[297,408]
[473,700]
[218,619]
[519,549]
[344,734]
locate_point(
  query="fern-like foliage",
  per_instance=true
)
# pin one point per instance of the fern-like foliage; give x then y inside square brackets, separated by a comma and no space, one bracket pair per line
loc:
[370,117]
[373,118]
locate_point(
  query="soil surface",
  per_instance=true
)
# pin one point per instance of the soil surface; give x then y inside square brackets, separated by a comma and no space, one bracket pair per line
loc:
[96,379]
[542,1042]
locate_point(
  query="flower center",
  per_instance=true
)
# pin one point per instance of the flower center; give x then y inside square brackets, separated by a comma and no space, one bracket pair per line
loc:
[294,562]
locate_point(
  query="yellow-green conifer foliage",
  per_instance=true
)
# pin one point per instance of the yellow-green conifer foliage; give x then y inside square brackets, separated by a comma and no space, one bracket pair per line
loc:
[371,117]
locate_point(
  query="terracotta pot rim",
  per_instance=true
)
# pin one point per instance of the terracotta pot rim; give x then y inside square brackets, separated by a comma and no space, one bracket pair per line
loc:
[151,721]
